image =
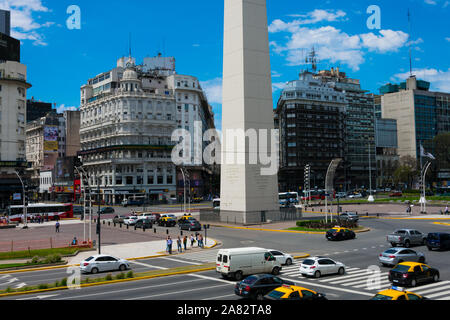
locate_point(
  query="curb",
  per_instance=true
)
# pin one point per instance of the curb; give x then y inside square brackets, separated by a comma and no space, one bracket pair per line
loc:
[442,223]
[286,231]
[109,282]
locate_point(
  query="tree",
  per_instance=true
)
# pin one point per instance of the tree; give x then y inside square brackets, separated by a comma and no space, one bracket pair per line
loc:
[442,150]
[406,171]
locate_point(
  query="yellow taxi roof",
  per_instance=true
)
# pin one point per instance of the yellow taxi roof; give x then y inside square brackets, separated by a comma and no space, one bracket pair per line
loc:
[392,293]
[290,289]
[411,264]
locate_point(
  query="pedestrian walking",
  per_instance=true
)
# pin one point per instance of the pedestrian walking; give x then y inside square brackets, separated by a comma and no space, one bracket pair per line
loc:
[192,240]
[169,244]
[179,245]
[185,242]
[200,239]
[57,226]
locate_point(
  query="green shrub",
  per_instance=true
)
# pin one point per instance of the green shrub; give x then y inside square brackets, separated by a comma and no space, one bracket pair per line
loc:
[64,282]
[53,258]
[35,260]
[130,274]
[43,286]
[120,276]
[8,290]
[321,224]
[87,280]
[56,284]
[109,277]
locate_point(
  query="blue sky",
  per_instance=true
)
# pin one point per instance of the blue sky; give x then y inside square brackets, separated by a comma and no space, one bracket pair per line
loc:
[60,60]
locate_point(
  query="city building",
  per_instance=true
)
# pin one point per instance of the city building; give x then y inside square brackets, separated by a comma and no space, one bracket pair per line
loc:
[13,92]
[386,142]
[360,127]
[194,113]
[5,22]
[420,114]
[44,143]
[311,117]
[127,120]
[37,109]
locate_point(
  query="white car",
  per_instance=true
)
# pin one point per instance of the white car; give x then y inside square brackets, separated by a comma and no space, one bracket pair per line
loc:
[319,266]
[283,258]
[102,263]
[356,195]
[131,220]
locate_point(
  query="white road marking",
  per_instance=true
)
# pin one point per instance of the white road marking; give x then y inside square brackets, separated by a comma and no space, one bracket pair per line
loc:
[175,292]
[438,294]
[148,265]
[179,260]
[424,288]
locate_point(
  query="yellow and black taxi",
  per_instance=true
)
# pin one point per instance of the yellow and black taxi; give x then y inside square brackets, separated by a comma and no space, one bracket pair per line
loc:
[166,221]
[397,293]
[291,292]
[413,273]
[339,233]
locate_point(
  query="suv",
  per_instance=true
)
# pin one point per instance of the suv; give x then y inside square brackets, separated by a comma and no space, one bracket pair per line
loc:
[438,241]
[349,216]
[143,223]
[106,210]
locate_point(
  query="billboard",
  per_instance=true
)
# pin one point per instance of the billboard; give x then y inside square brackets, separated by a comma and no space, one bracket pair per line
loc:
[50,139]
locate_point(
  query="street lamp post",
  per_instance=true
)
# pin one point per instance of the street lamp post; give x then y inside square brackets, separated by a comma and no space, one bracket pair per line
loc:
[24,202]
[99,213]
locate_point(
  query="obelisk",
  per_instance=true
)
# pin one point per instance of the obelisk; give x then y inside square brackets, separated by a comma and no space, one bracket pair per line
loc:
[247,195]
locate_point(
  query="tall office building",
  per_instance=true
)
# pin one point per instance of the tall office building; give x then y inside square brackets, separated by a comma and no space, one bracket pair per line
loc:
[360,127]
[420,114]
[311,120]
[5,22]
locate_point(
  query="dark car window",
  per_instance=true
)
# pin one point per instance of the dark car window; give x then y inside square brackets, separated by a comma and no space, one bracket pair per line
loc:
[433,236]
[417,269]
[266,281]
[294,296]
[413,296]
[307,294]
[89,259]
[309,262]
[381,297]
[391,251]
[225,259]
[111,259]
[100,259]
[277,280]
[401,268]
[219,258]
[425,268]
[250,280]
[276,253]
[276,294]
[323,262]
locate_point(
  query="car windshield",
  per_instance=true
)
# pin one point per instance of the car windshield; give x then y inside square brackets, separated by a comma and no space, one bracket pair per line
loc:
[250,280]
[391,251]
[276,294]
[401,268]
[89,259]
[433,236]
[381,297]
[309,262]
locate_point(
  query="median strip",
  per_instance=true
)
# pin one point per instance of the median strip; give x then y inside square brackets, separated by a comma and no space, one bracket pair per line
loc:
[102,281]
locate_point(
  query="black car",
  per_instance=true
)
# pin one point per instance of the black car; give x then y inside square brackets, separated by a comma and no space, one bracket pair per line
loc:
[191,225]
[106,210]
[412,273]
[141,223]
[440,241]
[338,234]
[78,210]
[257,286]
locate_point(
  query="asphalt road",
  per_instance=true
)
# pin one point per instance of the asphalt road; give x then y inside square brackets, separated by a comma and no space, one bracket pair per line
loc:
[358,255]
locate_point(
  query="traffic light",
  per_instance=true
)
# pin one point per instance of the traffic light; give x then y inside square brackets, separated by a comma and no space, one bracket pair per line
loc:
[78,162]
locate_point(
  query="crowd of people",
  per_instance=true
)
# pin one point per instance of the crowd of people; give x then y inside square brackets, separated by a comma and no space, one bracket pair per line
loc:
[182,243]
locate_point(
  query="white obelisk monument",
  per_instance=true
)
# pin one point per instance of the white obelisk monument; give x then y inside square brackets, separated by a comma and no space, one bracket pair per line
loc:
[247,195]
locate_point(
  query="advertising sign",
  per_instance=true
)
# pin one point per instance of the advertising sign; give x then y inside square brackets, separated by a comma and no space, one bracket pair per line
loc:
[51,139]
[17,196]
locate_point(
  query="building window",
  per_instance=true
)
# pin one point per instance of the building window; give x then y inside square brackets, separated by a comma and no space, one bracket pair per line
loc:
[160,180]
[150,180]
[129,180]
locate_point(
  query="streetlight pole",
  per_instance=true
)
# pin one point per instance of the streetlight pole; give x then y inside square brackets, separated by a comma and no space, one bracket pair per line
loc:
[184,189]
[24,202]
[99,213]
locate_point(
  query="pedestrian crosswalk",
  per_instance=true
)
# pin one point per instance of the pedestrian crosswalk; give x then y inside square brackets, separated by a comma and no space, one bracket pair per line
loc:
[208,256]
[367,280]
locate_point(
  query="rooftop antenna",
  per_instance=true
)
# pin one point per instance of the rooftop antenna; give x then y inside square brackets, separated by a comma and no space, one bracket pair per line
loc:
[312,59]
[410,49]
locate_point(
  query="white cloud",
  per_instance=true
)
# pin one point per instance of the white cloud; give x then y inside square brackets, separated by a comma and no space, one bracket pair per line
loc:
[312,17]
[448,39]
[333,44]
[278,86]
[388,41]
[440,80]
[213,90]
[23,24]
[431,2]
[63,108]
[446,4]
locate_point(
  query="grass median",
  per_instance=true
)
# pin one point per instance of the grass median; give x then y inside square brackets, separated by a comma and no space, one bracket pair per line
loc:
[12,255]
[109,278]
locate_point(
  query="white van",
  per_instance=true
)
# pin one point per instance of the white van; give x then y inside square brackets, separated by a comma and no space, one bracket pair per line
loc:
[240,262]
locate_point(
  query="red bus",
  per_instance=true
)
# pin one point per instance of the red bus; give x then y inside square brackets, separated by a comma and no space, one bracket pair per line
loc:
[63,211]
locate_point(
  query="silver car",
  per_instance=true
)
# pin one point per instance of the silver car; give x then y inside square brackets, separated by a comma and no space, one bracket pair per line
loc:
[349,216]
[102,263]
[394,256]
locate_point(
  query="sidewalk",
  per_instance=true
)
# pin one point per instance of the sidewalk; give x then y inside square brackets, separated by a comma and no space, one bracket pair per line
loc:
[134,251]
